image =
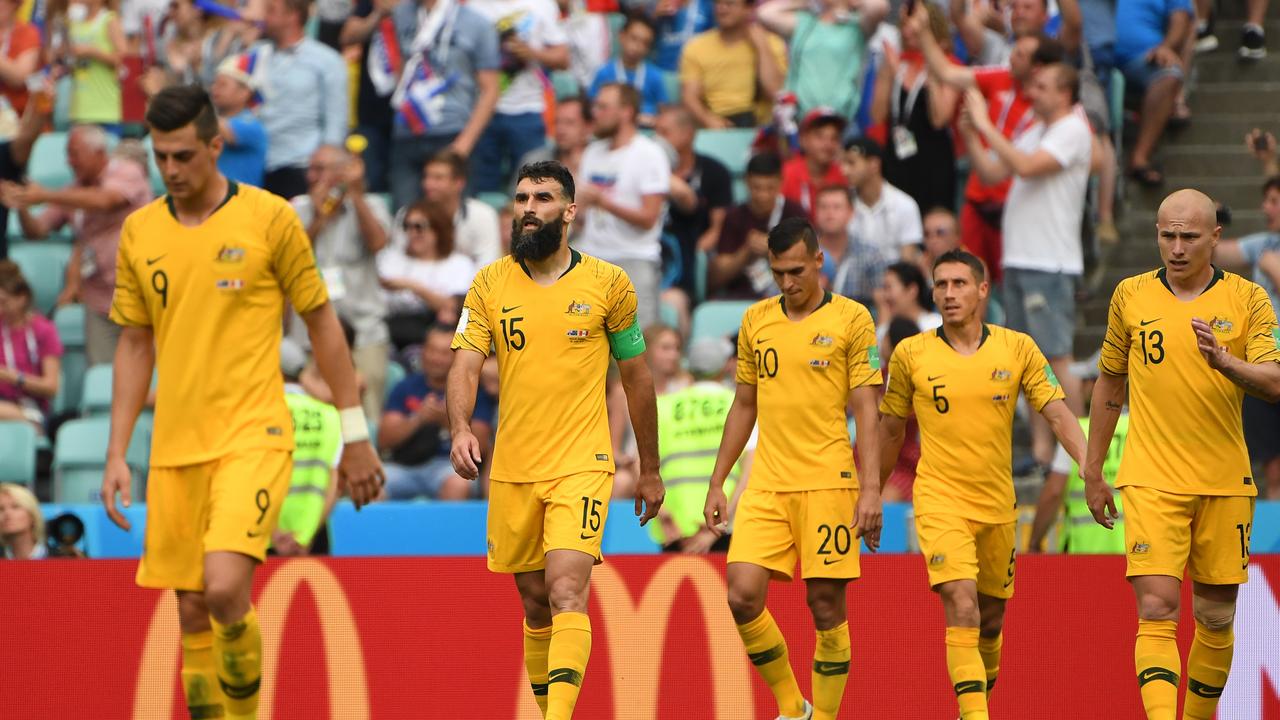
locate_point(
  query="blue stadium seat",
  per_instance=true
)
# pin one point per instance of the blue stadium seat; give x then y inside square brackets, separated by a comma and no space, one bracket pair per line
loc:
[564,84]
[18,442]
[731,147]
[672,82]
[700,262]
[496,200]
[96,395]
[79,456]
[48,163]
[669,315]
[395,373]
[718,318]
[71,383]
[153,171]
[45,266]
[69,319]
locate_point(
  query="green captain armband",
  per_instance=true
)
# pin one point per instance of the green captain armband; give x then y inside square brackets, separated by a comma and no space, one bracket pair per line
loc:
[627,343]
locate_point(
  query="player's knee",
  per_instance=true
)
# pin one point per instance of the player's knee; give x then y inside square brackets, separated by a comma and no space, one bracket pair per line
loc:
[193,614]
[746,604]
[454,488]
[227,601]
[567,594]
[992,625]
[961,606]
[1215,615]
[827,606]
[1156,606]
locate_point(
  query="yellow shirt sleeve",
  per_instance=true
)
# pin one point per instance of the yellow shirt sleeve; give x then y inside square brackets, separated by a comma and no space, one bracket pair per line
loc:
[863,354]
[897,395]
[1114,359]
[475,332]
[621,314]
[128,306]
[779,49]
[1039,383]
[295,263]
[690,63]
[1264,335]
[746,358]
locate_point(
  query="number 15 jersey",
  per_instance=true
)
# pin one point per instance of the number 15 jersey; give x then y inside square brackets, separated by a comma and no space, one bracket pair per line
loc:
[803,372]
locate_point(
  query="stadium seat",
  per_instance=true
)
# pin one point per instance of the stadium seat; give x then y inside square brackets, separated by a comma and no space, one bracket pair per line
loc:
[669,315]
[395,373]
[565,84]
[731,147]
[96,396]
[700,263]
[45,266]
[157,181]
[69,319]
[718,318]
[48,163]
[71,383]
[671,81]
[14,230]
[18,443]
[496,200]
[79,456]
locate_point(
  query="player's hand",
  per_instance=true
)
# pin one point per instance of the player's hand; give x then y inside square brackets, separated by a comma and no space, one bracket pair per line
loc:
[1101,499]
[285,544]
[360,472]
[716,511]
[700,542]
[1261,145]
[465,455]
[869,519]
[117,478]
[649,496]
[1216,355]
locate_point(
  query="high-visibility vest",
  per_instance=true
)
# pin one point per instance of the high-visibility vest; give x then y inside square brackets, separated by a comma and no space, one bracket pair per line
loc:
[690,424]
[1081,535]
[317,434]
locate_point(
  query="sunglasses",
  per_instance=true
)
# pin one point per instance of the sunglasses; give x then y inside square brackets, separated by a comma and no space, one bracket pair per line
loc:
[416,226]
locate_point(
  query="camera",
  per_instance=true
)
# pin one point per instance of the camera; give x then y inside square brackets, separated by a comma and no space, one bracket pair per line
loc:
[65,531]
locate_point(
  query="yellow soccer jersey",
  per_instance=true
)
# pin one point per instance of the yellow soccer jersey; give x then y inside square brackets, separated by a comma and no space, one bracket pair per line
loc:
[1185,434]
[553,345]
[964,405]
[803,372]
[214,296]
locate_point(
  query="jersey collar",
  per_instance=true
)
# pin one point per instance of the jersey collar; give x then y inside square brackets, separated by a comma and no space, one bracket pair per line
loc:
[575,257]
[232,189]
[782,303]
[1217,275]
[986,333]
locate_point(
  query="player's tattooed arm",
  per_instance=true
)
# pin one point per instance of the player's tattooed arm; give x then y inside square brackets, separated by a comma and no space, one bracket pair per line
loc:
[1261,380]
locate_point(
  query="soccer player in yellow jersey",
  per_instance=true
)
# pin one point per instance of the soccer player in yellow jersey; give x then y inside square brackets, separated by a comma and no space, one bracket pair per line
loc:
[553,316]
[202,276]
[1191,340]
[802,357]
[962,381]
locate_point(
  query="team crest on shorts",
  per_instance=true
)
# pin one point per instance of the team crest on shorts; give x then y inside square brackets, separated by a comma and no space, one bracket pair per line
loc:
[490,547]
[937,559]
[577,308]
[1140,548]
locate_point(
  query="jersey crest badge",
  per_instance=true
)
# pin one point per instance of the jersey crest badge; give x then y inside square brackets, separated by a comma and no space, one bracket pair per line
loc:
[1000,375]
[1222,326]
[577,308]
[821,340]
[230,255]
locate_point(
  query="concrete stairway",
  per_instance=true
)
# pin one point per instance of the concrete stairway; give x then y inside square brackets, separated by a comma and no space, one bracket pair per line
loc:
[1228,98]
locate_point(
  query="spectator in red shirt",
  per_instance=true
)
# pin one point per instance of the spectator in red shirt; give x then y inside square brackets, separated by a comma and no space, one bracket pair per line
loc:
[818,164]
[30,352]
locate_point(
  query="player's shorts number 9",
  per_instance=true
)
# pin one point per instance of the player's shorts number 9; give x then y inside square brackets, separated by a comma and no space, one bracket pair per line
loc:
[839,537]
[263,501]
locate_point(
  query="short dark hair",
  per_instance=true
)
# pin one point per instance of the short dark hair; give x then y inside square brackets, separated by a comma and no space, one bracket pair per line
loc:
[178,106]
[900,329]
[627,95]
[1048,51]
[1066,78]
[790,231]
[765,164]
[865,147]
[638,19]
[583,103]
[301,8]
[550,170]
[456,162]
[909,274]
[1272,183]
[964,257]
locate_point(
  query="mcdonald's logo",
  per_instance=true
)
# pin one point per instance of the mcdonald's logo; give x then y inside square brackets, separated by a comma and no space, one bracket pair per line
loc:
[631,627]
[344,659]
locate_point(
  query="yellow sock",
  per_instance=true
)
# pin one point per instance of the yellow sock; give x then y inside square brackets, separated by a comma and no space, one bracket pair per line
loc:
[989,649]
[964,663]
[1207,668]
[567,655]
[830,671]
[537,642]
[768,652]
[237,648]
[1156,658]
[199,678]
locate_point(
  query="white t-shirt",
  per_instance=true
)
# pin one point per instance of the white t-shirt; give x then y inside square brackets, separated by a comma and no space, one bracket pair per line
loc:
[537,23]
[625,175]
[891,224]
[450,276]
[1042,215]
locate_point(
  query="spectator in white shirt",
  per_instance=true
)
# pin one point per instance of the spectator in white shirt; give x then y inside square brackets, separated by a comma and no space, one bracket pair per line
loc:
[1043,258]
[626,178]
[884,217]
[475,224]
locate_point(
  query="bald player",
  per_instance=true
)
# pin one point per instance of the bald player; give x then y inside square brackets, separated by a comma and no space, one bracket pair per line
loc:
[1191,339]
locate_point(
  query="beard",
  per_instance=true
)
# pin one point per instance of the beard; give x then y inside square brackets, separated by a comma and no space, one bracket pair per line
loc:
[538,244]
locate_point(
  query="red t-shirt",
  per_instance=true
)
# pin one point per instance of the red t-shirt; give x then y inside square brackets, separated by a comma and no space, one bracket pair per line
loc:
[1010,110]
[798,186]
[21,38]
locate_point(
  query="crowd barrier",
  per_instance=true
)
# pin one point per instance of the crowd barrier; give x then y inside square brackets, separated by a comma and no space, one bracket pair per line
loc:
[428,638]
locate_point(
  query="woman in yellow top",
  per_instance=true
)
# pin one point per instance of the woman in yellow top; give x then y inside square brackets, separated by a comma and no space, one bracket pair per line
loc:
[95,54]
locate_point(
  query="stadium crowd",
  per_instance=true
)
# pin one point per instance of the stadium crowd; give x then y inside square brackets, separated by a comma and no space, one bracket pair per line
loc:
[395,126]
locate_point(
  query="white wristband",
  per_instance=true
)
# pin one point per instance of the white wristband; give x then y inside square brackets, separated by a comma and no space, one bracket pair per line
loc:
[354,427]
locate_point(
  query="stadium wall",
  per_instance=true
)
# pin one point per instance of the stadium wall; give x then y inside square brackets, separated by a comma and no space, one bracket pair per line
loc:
[413,638]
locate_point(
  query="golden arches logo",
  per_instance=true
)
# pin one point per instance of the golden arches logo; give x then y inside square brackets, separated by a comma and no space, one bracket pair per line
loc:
[633,626]
[344,659]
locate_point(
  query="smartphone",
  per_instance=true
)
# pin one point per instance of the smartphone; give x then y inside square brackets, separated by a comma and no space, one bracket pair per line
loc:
[1259,140]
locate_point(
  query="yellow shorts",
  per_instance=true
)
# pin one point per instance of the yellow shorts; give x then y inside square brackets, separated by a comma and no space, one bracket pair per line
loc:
[774,529]
[1169,534]
[956,548]
[224,505]
[526,520]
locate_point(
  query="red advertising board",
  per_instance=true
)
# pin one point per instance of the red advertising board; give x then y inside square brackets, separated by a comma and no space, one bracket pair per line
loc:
[380,639]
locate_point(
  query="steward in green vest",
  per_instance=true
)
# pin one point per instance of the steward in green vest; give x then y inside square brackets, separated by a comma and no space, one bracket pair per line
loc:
[690,424]
[317,434]
[1080,534]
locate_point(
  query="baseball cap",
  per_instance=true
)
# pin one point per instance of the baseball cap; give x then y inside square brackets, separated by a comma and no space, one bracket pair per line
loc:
[292,358]
[822,115]
[865,147]
[708,355]
[231,68]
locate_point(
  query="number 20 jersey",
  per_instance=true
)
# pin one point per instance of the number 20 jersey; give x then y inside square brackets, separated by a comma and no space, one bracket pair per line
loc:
[1185,434]
[803,372]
